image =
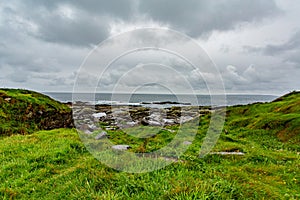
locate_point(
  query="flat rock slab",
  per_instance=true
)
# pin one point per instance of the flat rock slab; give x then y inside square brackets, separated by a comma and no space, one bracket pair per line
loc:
[121,147]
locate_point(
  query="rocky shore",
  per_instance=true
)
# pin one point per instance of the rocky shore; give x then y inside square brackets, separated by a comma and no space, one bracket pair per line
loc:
[112,117]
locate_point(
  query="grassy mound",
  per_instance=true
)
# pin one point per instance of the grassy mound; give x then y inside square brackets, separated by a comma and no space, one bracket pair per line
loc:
[23,111]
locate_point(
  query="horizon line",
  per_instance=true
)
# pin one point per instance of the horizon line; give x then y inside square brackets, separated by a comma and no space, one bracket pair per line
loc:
[106,92]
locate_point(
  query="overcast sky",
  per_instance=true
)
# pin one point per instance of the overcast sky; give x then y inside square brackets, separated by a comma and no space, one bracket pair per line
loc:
[255,44]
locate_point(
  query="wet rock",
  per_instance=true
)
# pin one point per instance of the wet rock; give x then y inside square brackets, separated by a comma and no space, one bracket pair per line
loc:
[128,116]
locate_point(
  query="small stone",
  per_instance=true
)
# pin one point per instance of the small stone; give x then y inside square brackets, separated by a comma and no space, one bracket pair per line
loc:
[101,135]
[7,99]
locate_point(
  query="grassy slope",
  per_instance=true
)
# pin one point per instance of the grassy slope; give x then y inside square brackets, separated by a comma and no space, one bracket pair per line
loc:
[277,124]
[23,111]
[55,165]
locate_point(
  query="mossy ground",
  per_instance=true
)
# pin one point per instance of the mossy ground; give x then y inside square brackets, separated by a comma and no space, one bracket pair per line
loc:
[56,165]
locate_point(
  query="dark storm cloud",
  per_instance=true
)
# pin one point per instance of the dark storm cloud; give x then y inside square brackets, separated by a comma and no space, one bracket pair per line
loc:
[200,17]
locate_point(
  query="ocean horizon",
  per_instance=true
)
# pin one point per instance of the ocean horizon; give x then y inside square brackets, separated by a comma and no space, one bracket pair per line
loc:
[156,99]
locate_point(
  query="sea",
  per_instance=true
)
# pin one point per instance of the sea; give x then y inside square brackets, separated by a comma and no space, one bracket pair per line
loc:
[162,100]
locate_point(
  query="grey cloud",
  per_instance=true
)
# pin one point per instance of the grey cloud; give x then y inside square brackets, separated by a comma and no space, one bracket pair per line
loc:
[92,18]
[200,17]
[19,77]
[59,81]
[291,45]
[252,77]
[91,23]
[252,49]
[289,51]
[84,31]
[294,58]
[115,8]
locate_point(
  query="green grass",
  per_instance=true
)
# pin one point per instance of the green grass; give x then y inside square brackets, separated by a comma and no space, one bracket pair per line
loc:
[56,165]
